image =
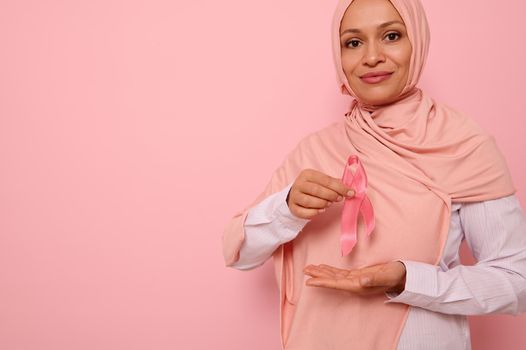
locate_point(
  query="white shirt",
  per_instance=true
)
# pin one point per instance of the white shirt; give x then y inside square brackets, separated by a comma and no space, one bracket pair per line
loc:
[439,297]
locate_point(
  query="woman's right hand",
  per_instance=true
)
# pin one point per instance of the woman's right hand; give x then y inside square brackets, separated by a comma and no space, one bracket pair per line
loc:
[313,191]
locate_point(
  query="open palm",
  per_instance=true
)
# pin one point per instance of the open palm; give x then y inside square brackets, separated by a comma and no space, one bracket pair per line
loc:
[387,277]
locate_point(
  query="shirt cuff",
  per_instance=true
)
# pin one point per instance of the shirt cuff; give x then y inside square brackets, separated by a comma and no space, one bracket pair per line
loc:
[420,284]
[274,212]
[286,218]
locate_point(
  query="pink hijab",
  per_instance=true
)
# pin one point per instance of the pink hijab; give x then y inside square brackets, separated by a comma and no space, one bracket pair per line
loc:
[419,156]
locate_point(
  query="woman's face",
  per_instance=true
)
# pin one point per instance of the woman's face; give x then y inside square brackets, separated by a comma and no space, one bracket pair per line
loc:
[375,51]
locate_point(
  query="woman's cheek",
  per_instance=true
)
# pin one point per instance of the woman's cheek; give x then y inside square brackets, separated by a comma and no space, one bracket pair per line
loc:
[402,55]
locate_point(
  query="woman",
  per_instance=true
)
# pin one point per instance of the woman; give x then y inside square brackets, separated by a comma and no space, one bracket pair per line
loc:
[434,178]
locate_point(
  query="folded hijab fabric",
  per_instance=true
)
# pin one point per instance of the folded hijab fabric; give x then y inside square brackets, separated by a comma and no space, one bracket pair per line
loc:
[420,156]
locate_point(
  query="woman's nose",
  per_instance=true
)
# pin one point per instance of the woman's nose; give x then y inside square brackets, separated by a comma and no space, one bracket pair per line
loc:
[373,55]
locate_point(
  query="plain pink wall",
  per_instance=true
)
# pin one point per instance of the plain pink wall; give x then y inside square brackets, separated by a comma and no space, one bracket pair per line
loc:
[131,131]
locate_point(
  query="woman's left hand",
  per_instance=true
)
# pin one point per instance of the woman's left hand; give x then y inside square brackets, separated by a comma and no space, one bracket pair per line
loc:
[376,279]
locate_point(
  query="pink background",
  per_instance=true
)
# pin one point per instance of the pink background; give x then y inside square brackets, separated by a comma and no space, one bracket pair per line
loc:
[131,131]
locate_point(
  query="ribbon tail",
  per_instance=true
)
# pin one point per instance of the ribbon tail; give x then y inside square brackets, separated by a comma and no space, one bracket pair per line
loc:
[368,215]
[348,237]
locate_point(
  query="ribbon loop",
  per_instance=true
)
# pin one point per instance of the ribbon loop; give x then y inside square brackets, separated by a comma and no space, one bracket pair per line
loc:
[359,203]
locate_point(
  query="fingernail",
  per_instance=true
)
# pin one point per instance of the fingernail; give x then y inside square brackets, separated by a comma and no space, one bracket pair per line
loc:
[329,204]
[339,198]
[321,210]
[350,193]
[366,280]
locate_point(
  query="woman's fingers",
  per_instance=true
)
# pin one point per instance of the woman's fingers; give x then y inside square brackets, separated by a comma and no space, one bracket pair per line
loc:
[316,271]
[336,272]
[329,182]
[308,201]
[313,191]
[332,268]
[317,190]
[348,284]
[304,213]
[306,206]
[328,271]
[318,274]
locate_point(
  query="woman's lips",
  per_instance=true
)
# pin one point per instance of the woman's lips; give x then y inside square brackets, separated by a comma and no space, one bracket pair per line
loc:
[376,79]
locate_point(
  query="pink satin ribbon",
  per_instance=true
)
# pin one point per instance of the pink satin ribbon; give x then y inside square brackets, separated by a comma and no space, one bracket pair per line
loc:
[360,203]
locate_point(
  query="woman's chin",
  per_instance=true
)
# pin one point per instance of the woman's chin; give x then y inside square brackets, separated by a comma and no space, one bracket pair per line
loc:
[378,94]
[377,100]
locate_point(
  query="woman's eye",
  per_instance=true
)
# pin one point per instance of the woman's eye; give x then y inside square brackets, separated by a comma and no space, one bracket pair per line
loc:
[352,43]
[392,36]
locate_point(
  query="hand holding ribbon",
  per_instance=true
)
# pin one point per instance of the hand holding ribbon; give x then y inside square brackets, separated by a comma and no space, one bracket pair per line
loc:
[313,192]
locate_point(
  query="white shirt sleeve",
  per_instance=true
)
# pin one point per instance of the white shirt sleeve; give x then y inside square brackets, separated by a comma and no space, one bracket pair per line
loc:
[268,225]
[495,231]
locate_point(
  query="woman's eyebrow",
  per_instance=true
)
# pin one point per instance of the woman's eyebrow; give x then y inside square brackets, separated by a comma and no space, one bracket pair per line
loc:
[354,30]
